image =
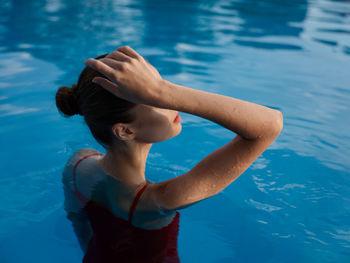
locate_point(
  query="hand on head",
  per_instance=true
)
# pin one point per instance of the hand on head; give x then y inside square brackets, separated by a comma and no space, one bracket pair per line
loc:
[128,75]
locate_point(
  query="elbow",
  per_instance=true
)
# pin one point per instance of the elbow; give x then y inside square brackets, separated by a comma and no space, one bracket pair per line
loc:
[280,121]
[277,128]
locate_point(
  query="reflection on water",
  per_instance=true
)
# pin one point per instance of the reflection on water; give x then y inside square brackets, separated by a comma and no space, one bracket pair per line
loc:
[292,56]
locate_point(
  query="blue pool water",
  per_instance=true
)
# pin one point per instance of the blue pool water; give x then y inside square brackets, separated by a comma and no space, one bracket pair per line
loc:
[291,205]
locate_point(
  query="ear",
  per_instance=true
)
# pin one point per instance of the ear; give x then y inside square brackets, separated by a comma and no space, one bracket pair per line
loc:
[123,131]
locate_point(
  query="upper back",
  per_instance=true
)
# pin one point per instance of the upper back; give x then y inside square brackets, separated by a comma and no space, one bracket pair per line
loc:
[110,193]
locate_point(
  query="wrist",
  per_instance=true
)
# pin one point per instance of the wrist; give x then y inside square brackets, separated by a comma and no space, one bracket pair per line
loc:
[166,96]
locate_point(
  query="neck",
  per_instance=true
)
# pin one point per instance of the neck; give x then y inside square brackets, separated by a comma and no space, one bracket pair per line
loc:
[127,162]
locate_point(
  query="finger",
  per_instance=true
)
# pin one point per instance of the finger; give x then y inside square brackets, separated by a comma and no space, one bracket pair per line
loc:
[100,67]
[129,51]
[112,63]
[120,56]
[108,85]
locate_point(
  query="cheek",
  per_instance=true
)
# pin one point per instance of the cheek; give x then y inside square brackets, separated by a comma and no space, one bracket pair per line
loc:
[155,129]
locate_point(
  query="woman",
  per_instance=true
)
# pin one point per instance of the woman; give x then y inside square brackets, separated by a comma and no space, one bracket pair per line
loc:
[128,106]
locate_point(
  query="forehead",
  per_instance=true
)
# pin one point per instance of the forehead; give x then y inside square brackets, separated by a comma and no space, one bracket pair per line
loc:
[143,110]
[148,108]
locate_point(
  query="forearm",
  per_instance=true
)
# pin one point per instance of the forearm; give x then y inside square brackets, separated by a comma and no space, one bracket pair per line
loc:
[247,119]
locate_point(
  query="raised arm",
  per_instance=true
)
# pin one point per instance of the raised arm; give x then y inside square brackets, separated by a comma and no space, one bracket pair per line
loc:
[256,127]
[131,77]
[249,120]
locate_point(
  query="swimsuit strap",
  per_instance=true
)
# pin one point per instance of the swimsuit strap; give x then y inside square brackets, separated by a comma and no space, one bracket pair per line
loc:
[133,206]
[81,196]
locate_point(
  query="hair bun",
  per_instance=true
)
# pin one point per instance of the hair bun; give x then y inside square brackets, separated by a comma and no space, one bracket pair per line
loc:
[66,100]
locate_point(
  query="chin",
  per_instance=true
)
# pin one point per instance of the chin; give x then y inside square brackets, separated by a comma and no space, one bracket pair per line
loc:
[178,129]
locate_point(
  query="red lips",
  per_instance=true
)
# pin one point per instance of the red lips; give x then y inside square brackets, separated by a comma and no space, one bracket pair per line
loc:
[177,118]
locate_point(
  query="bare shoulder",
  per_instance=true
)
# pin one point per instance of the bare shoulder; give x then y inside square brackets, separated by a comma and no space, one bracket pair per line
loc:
[72,160]
[84,152]
[78,155]
[146,215]
[85,179]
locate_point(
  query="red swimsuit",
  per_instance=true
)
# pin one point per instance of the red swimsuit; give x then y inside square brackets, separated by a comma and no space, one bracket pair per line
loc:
[117,240]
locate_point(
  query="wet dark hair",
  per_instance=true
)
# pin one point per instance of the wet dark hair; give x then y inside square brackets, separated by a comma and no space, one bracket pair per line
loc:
[100,108]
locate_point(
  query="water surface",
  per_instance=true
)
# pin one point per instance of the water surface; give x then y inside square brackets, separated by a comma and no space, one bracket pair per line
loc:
[291,205]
